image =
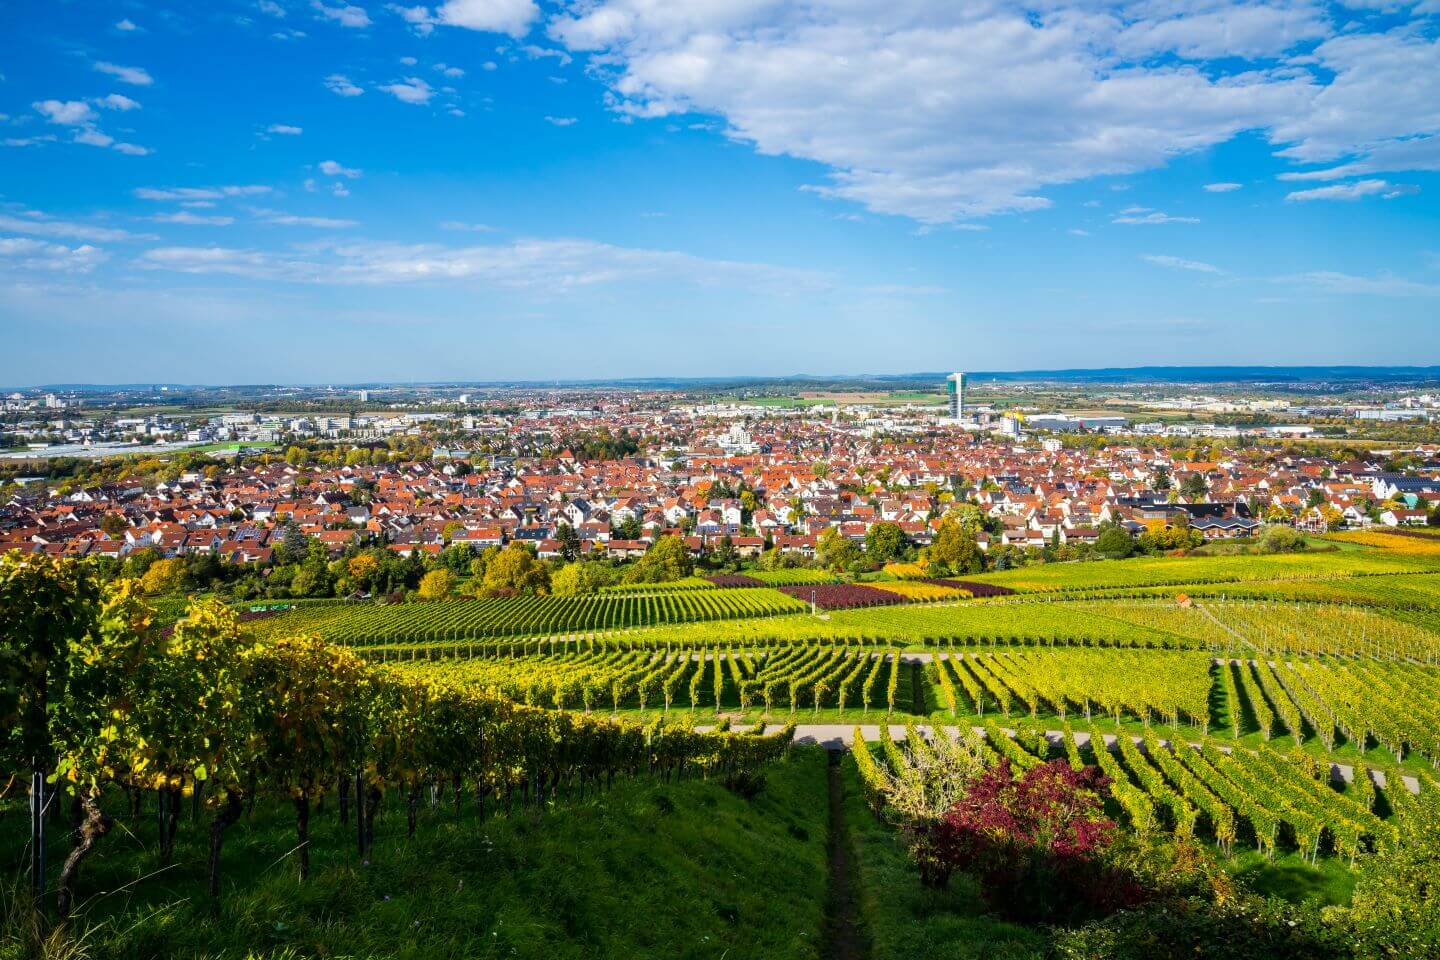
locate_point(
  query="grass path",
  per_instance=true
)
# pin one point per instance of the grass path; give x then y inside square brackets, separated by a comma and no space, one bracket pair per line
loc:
[845,934]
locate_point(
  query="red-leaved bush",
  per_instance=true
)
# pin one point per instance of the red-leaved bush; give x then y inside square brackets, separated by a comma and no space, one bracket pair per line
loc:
[1036,843]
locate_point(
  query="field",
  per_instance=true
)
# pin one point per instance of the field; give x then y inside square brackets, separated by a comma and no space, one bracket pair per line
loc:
[1281,711]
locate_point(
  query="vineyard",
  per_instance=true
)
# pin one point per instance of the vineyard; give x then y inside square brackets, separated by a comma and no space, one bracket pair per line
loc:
[360,624]
[1180,571]
[1261,798]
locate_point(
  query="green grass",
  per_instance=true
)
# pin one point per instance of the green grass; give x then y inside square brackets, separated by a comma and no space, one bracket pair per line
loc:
[908,922]
[649,870]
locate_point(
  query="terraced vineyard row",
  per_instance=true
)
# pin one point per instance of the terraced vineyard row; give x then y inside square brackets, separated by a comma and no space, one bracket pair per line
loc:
[1155,684]
[1258,798]
[1187,571]
[511,616]
[615,677]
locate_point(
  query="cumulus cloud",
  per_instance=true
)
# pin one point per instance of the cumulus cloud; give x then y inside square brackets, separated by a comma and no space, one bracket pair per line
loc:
[512,17]
[947,111]
[332,168]
[78,114]
[71,113]
[135,76]
[284,129]
[339,84]
[1353,191]
[117,101]
[561,121]
[419,18]
[410,90]
[1222,187]
[126,26]
[345,14]
[271,7]
[1179,263]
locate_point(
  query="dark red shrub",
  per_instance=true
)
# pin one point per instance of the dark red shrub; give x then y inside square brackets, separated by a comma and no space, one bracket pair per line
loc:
[1036,843]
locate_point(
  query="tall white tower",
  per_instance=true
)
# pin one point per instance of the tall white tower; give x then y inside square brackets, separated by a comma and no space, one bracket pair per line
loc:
[955,387]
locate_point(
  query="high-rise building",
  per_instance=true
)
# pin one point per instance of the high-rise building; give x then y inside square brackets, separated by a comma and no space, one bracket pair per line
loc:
[364,396]
[955,387]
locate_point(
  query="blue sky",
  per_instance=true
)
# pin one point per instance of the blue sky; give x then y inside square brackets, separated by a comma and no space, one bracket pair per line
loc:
[318,191]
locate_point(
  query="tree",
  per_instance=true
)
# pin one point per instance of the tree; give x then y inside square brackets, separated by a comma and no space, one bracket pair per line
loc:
[628,529]
[114,525]
[437,584]
[47,606]
[580,579]
[835,550]
[1279,538]
[885,541]
[516,569]
[667,559]
[1115,542]
[164,576]
[569,541]
[1162,479]
[1193,487]
[955,548]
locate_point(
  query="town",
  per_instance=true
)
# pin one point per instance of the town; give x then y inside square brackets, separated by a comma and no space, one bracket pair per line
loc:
[611,472]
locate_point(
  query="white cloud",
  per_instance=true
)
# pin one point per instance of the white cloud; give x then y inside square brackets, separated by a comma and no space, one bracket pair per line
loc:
[946,111]
[28,254]
[92,137]
[126,26]
[271,7]
[340,84]
[1179,263]
[284,129]
[199,193]
[452,72]
[280,218]
[192,219]
[135,76]
[333,169]
[339,189]
[420,18]
[71,113]
[1353,191]
[410,90]
[561,121]
[117,101]
[1077,232]
[537,52]
[545,265]
[347,15]
[495,16]
[1386,88]
[43,226]
[132,149]
[1385,285]
[28,141]
[1139,216]
[1223,187]
[461,225]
